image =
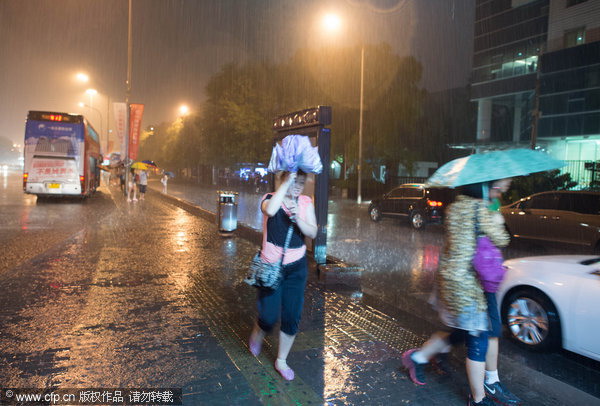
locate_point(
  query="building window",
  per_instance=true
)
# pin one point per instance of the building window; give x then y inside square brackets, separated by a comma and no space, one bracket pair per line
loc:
[575,37]
[519,3]
[571,3]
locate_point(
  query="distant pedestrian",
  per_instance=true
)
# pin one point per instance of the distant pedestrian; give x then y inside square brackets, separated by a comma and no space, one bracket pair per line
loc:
[463,306]
[164,179]
[121,175]
[286,207]
[131,186]
[142,182]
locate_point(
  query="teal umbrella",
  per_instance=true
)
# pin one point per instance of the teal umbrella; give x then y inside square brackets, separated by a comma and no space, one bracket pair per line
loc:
[491,166]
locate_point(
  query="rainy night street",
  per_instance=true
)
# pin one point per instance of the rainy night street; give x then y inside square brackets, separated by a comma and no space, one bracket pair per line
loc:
[105,293]
[314,202]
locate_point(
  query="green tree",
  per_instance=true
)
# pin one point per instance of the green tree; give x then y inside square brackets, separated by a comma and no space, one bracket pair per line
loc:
[392,98]
[237,119]
[523,186]
[242,100]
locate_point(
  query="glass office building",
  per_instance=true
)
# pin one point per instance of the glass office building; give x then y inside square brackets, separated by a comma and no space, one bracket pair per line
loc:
[539,51]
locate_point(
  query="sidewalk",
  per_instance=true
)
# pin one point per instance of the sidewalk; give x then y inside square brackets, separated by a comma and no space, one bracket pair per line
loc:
[348,352]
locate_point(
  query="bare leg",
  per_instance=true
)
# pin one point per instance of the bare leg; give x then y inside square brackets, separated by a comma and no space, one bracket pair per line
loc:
[437,343]
[491,358]
[476,374]
[257,334]
[285,345]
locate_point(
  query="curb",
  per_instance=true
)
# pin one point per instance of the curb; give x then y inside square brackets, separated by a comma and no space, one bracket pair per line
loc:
[334,271]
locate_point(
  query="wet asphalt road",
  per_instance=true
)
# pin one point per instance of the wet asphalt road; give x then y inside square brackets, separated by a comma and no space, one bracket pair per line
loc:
[102,293]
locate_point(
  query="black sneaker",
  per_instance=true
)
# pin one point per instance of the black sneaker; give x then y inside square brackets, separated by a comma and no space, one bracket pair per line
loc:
[415,370]
[484,402]
[500,394]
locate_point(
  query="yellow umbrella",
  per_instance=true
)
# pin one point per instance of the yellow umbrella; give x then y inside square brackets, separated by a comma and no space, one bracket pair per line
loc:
[139,165]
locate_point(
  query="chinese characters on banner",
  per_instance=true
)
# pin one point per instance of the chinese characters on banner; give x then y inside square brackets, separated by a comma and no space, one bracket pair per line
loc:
[135,124]
[120,110]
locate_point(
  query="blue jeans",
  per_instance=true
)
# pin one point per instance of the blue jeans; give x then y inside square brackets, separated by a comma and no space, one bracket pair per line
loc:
[286,301]
[477,345]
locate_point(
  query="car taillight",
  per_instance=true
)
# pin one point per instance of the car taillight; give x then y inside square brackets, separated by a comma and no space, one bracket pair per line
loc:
[434,203]
[82,181]
[25,176]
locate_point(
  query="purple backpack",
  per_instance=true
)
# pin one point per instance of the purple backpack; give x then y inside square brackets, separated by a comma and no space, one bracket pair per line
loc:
[487,262]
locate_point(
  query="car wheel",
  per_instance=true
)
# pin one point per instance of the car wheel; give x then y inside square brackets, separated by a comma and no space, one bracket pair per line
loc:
[417,220]
[532,320]
[374,213]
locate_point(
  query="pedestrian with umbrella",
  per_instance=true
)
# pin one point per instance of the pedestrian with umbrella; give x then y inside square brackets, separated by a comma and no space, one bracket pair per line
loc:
[131,186]
[164,179]
[460,296]
[288,218]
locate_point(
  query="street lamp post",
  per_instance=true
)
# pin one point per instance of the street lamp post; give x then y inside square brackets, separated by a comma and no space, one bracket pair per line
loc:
[128,83]
[97,111]
[84,78]
[91,93]
[333,23]
[360,123]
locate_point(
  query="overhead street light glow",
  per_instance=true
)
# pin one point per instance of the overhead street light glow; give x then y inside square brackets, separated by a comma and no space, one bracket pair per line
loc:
[332,22]
[82,77]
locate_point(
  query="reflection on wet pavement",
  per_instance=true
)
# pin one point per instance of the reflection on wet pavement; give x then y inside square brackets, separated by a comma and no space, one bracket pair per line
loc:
[149,295]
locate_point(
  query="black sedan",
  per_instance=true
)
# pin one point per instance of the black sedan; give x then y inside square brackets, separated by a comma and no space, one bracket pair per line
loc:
[421,205]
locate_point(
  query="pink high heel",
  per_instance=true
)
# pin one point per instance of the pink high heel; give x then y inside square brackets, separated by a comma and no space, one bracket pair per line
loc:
[287,374]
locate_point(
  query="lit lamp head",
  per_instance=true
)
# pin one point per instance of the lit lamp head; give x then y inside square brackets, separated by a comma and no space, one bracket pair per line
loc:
[82,77]
[332,22]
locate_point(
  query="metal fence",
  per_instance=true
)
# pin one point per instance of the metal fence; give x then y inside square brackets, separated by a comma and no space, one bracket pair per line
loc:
[585,178]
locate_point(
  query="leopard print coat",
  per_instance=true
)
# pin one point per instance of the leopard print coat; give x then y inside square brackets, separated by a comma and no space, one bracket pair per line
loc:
[461,299]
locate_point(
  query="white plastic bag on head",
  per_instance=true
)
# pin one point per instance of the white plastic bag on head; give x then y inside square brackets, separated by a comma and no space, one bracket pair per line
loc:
[295,152]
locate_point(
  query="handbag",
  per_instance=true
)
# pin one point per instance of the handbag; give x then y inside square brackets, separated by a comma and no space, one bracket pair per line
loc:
[487,262]
[267,275]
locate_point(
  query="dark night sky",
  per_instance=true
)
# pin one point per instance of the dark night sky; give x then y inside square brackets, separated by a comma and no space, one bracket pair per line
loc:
[179,44]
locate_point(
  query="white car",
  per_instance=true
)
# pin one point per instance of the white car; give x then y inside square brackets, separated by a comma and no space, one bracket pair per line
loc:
[552,301]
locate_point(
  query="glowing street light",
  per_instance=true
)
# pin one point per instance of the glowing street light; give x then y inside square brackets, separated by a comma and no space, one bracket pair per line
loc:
[184,110]
[91,93]
[331,23]
[82,77]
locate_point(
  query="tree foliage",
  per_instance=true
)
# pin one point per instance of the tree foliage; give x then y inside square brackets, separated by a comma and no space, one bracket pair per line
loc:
[523,186]
[234,124]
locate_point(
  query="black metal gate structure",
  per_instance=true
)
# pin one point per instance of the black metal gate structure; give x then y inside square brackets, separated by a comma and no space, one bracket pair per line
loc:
[312,122]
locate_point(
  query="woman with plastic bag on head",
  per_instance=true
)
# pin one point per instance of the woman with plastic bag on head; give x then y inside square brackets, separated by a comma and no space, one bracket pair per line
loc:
[288,217]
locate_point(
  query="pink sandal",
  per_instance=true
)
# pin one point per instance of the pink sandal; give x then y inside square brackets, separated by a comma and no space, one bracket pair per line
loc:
[287,374]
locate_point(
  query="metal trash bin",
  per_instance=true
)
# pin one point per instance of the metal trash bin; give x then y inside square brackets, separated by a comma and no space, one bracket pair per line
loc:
[227,212]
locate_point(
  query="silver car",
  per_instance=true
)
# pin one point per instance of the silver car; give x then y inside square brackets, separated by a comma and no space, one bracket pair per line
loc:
[559,216]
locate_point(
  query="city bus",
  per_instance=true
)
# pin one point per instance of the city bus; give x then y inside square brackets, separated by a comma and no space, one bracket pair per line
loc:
[61,156]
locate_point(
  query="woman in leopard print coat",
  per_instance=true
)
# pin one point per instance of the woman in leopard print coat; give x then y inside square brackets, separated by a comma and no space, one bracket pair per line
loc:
[459,296]
[461,301]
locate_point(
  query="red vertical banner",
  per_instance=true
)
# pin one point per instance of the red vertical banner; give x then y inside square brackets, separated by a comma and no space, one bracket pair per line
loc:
[135,125]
